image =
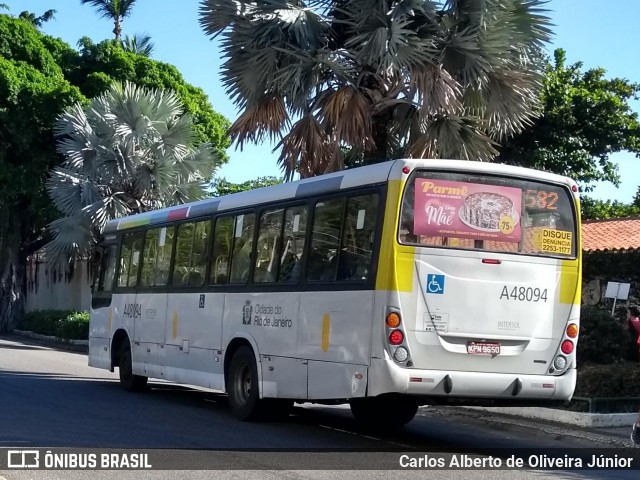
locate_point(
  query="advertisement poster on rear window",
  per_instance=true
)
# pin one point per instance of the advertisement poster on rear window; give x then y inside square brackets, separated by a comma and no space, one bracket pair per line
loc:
[467,210]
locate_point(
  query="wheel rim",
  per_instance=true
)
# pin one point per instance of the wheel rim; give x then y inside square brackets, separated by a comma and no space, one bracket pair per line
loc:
[243,384]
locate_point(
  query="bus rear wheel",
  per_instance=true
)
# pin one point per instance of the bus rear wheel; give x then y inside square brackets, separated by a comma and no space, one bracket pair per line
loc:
[385,412]
[242,385]
[131,382]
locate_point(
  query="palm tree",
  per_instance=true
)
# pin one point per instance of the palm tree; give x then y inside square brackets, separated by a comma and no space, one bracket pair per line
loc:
[38,21]
[115,10]
[379,78]
[138,44]
[130,150]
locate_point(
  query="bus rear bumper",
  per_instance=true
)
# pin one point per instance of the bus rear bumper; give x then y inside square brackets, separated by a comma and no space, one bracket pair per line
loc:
[385,377]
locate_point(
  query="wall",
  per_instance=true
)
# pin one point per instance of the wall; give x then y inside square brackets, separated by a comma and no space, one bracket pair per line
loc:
[600,267]
[48,289]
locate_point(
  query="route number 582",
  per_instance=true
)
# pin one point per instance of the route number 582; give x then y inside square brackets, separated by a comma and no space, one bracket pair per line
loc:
[541,199]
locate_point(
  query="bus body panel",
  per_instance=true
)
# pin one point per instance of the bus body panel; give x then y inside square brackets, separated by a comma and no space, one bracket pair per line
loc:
[493,303]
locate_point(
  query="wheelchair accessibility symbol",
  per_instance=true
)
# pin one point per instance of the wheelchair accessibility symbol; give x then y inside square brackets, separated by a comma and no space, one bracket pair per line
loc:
[435,284]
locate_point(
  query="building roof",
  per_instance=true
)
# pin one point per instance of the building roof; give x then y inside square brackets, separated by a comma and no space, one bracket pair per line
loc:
[611,234]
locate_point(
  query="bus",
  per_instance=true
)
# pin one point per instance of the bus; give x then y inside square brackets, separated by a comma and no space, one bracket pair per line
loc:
[387,287]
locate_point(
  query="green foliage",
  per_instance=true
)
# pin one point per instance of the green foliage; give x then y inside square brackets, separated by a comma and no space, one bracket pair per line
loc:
[223,187]
[594,209]
[614,266]
[603,338]
[613,380]
[74,326]
[40,77]
[35,20]
[585,118]
[33,91]
[66,324]
[97,66]
[139,44]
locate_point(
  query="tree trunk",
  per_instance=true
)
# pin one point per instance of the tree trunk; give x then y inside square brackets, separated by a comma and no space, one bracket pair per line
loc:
[117,30]
[12,271]
[380,131]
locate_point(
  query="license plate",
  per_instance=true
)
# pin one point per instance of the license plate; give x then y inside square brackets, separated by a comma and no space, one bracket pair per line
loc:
[483,348]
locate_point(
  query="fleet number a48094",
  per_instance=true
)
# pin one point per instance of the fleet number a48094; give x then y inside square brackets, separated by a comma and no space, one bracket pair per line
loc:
[524,294]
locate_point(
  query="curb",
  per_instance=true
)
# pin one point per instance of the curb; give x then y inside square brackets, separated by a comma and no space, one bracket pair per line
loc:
[50,338]
[592,420]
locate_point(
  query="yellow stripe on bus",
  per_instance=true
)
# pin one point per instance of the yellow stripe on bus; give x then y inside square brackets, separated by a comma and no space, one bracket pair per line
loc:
[571,271]
[326,330]
[570,288]
[175,324]
[394,273]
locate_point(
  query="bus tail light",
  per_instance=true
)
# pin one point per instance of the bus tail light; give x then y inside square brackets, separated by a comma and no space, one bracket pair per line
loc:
[560,363]
[572,330]
[396,337]
[401,354]
[393,320]
[567,347]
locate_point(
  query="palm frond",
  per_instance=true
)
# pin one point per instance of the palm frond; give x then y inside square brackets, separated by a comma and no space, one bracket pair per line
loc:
[268,117]
[216,15]
[305,148]
[111,9]
[130,150]
[140,44]
[347,114]
[435,90]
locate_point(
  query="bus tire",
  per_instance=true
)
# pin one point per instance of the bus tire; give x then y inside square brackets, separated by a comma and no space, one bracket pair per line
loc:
[130,382]
[385,412]
[242,385]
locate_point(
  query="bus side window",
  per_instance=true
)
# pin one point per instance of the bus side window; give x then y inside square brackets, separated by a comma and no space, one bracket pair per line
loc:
[107,269]
[221,251]
[200,253]
[184,248]
[149,257]
[356,250]
[163,258]
[134,265]
[295,230]
[242,247]
[269,245]
[125,259]
[325,240]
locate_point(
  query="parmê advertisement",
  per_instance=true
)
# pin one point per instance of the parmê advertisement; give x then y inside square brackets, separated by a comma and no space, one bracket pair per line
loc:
[467,210]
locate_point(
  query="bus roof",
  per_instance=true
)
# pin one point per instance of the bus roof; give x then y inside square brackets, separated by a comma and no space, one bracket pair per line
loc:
[355,177]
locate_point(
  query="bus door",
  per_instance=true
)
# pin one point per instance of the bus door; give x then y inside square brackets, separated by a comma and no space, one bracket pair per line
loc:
[151,299]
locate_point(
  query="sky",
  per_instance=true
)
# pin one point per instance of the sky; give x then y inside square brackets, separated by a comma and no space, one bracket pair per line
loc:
[599,34]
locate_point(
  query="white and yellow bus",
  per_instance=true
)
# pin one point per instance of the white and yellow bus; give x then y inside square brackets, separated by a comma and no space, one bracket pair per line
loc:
[390,286]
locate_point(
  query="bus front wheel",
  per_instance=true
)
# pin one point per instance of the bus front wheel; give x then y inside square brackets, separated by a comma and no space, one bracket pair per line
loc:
[242,385]
[386,412]
[131,382]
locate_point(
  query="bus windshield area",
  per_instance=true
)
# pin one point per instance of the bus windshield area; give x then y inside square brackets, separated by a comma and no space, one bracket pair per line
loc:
[489,213]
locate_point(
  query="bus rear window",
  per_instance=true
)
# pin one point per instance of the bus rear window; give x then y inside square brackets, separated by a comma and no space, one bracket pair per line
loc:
[491,213]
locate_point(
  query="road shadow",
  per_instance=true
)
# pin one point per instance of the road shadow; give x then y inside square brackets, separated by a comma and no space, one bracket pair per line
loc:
[24,341]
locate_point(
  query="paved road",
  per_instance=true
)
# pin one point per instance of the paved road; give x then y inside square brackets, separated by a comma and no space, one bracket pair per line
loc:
[52,399]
